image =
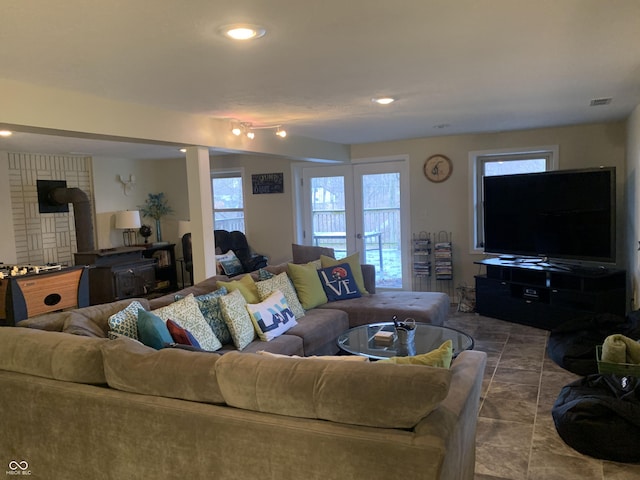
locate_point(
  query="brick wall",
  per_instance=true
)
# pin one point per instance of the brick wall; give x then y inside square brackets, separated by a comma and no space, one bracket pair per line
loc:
[47,237]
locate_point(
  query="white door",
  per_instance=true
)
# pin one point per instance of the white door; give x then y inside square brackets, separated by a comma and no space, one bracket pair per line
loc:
[360,208]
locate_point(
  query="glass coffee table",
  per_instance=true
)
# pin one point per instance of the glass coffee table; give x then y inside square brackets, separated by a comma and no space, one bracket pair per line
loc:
[360,341]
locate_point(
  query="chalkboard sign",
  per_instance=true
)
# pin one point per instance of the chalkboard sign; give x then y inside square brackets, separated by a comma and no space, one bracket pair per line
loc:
[267,183]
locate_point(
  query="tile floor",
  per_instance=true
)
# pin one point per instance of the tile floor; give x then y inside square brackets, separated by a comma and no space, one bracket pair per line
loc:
[516,437]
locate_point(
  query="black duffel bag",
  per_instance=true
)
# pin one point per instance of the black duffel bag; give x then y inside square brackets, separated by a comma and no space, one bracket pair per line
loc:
[599,416]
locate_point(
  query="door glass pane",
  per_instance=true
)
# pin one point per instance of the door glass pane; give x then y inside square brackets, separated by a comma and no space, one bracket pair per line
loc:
[512,167]
[382,233]
[328,213]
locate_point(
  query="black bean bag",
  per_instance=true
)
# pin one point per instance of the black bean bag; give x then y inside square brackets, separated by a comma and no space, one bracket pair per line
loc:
[599,416]
[572,345]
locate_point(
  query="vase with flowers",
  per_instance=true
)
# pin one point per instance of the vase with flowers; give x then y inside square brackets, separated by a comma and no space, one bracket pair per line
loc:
[156,206]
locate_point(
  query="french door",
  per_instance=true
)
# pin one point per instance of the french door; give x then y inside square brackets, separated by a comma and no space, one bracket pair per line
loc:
[360,208]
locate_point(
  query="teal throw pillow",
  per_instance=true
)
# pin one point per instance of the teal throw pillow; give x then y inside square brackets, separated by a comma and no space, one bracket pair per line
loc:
[265,275]
[152,330]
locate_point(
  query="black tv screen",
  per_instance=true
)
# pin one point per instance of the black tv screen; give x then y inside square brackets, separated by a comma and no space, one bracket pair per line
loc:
[564,214]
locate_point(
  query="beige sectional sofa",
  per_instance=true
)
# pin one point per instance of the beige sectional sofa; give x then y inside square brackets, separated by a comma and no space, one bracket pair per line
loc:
[88,407]
[76,404]
[315,334]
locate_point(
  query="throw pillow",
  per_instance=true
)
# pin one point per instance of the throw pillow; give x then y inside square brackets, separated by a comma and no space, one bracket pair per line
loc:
[246,285]
[231,264]
[223,257]
[210,308]
[283,283]
[440,357]
[265,275]
[125,322]
[338,282]
[187,314]
[307,283]
[354,263]
[234,310]
[272,317]
[152,330]
[181,335]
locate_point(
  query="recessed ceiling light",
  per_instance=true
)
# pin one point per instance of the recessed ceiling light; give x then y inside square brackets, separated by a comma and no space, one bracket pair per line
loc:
[243,31]
[5,133]
[383,100]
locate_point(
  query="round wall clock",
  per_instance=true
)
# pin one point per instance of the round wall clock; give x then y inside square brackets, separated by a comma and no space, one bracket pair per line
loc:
[438,168]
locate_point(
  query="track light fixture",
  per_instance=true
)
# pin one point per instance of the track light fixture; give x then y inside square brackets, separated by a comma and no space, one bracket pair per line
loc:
[247,129]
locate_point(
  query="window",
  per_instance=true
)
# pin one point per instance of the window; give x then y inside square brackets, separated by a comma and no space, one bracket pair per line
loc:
[502,162]
[228,200]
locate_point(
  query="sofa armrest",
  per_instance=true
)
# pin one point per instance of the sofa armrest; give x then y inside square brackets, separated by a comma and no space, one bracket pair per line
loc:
[369,276]
[456,418]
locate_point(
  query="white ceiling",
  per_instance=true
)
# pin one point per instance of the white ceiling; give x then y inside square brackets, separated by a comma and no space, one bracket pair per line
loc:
[473,65]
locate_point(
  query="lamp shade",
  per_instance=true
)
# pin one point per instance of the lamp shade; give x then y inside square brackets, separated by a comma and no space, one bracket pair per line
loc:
[184,227]
[127,219]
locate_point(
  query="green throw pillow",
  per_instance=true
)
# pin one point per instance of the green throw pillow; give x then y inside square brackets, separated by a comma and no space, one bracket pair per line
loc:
[246,285]
[440,357]
[354,263]
[308,286]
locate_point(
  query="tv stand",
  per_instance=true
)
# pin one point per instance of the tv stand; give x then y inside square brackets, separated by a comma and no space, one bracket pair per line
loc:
[545,295]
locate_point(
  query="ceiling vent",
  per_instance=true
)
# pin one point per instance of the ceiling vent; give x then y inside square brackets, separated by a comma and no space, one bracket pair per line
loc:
[596,102]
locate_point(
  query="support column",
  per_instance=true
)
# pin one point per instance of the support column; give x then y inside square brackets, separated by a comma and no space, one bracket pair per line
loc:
[201,213]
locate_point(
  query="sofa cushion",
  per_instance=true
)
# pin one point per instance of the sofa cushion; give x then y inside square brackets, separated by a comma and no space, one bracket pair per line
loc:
[309,253]
[234,310]
[54,355]
[283,283]
[169,372]
[272,317]
[424,307]
[371,394]
[93,321]
[354,262]
[285,344]
[308,286]
[187,314]
[319,330]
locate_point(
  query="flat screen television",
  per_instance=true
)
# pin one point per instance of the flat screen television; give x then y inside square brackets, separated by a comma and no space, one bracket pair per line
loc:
[561,214]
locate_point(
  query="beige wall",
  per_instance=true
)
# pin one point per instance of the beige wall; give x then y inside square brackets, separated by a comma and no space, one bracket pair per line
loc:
[632,224]
[445,206]
[151,176]
[269,217]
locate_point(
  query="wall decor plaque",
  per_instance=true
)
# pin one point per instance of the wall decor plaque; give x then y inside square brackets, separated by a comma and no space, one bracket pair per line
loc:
[267,183]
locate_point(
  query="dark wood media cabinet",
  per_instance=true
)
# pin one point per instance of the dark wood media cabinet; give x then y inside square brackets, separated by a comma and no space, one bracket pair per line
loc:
[546,296]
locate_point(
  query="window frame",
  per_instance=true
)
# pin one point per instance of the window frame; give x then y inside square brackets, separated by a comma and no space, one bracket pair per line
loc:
[228,173]
[477,160]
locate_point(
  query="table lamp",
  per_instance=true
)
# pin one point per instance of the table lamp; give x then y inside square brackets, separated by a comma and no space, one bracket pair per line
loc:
[129,221]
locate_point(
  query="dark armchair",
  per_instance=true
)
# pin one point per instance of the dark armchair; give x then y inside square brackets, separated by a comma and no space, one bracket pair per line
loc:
[226,241]
[237,241]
